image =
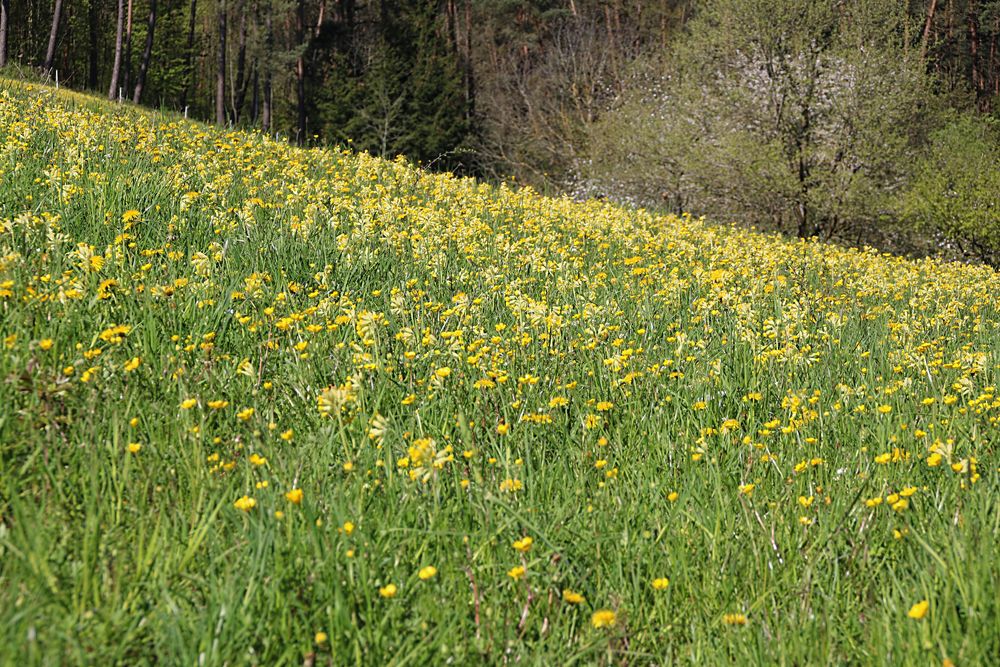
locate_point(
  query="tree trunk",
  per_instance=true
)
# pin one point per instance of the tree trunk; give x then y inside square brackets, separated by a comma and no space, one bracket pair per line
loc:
[147,53]
[116,68]
[994,79]
[50,53]
[255,97]
[242,80]
[974,49]
[189,74]
[93,19]
[4,14]
[470,82]
[320,18]
[220,77]
[300,71]
[127,61]
[265,111]
[931,9]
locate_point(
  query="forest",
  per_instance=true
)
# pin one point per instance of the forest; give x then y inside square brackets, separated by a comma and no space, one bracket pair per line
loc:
[864,122]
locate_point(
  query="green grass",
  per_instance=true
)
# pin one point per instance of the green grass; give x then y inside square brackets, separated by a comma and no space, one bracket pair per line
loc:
[728,358]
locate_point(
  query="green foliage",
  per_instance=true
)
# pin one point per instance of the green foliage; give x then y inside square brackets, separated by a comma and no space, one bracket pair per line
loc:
[955,188]
[394,88]
[783,114]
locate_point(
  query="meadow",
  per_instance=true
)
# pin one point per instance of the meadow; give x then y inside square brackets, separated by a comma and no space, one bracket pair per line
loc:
[281,406]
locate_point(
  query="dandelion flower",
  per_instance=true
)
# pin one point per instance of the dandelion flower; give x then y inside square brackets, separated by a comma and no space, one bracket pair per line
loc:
[603,618]
[919,610]
[523,545]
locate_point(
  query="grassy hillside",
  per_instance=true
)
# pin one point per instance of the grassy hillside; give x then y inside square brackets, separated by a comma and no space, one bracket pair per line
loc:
[263,405]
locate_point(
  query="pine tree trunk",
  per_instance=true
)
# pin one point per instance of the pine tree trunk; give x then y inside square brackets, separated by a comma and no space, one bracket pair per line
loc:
[931,10]
[265,112]
[300,72]
[4,14]
[146,54]
[265,105]
[220,77]
[470,82]
[127,58]
[994,79]
[50,53]
[93,18]
[320,17]
[240,89]
[974,50]
[255,97]
[116,68]
[189,55]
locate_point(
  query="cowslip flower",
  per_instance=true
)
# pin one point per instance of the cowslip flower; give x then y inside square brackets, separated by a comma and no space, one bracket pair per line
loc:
[246,503]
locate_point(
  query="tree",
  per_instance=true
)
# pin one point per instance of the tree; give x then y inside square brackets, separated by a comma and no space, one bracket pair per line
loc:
[146,53]
[50,53]
[265,117]
[220,76]
[300,71]
[4,16]
[189,56]
[792,114]
[116,68]
[127,62]
[94,29]
[242,80]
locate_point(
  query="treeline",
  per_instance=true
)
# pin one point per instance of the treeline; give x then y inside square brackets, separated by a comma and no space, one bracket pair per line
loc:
[838,119]
[424,78]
